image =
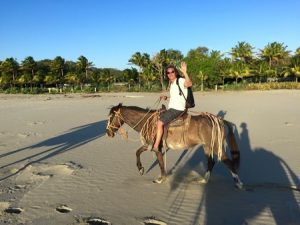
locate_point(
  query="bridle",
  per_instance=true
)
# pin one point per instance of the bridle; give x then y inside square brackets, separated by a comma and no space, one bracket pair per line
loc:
[120,120]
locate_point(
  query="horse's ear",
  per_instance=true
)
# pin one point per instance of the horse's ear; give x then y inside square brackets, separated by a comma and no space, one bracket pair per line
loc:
[120,105]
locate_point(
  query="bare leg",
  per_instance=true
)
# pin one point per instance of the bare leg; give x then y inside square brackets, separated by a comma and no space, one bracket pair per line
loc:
[159,133]
[138,159]
[160,159]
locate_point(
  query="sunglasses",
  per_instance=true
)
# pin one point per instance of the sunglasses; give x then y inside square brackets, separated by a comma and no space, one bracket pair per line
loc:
[169,72]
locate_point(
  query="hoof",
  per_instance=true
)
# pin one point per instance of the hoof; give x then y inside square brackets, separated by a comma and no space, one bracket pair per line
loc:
[160,180]
[203,181]
[142,171]
[238,184]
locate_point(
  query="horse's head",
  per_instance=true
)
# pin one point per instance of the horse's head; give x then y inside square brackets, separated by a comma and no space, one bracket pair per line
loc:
[114,121]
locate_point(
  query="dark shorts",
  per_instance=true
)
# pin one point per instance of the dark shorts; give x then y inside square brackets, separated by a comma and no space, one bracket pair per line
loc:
[169,115]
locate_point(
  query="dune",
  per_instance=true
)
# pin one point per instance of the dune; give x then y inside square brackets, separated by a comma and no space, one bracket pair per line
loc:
[57,166]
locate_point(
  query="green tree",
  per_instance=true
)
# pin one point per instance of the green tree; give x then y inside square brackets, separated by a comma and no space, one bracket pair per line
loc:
[107,78]
[130,76]
[72,79]
[243,51]
[294,67]
[84,65]
[57,68]
[260,69]
[204,67]
[239,70]
[43,70]
[164,58]
[140,60]
[10,66]
[195,59]
[29,67]
[274,53]
[225,69]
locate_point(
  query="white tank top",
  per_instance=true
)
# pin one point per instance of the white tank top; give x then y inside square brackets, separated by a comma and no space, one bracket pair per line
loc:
[177,101]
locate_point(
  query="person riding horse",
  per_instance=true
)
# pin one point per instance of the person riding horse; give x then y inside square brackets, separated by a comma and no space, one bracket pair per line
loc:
[176,105]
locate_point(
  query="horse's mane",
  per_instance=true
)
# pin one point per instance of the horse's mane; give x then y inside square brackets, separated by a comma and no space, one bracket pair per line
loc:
[135,108]
[139,109]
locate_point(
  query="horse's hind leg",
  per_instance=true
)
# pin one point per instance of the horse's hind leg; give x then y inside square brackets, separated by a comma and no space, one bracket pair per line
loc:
[138,158]
[210,166]
[163,176]
[229,163]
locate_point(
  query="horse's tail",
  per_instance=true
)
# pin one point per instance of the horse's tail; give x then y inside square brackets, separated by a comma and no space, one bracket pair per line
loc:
[234,149]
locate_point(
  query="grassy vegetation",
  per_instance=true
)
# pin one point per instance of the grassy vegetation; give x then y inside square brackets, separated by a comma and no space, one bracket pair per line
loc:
[155,88]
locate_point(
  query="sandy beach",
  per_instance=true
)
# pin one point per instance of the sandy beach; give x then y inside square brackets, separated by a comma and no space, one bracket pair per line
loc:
[57,166]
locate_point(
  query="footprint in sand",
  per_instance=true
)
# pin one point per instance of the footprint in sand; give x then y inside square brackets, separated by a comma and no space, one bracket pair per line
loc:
[34,123]
[27,134]
[63,209]
[23,135]
[153,221]
[14,210]
[288,124]
[97,221]
[42,171]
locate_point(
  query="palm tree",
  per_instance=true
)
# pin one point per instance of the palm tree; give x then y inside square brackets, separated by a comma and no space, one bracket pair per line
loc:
[296,71]
[225,69]
[148,75]
[202,77]
[294,67]
[140,60]
[29,66]
[297,53]
[51,79]
[43,70]
[260,69]
[57,68]
[239,70]
[4,80]
[84,65]
[160,61]
[107,77]
[243,51]
[72,79]
[11,66]
[274,53]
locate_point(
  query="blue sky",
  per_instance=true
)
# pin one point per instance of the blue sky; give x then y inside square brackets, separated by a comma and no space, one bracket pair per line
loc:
[109,32]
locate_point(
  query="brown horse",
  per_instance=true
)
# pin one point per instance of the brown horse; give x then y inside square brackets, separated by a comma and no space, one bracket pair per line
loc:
[188,131]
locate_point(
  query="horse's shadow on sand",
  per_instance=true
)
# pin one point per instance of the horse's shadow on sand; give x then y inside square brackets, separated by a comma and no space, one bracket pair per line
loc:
[54,146]
[271,188]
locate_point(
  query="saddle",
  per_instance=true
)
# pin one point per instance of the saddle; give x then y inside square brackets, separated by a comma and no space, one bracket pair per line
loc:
[178,126]
[179,121]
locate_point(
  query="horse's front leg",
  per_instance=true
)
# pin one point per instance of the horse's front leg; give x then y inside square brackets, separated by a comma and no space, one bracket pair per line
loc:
[138,158]
[160,160]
